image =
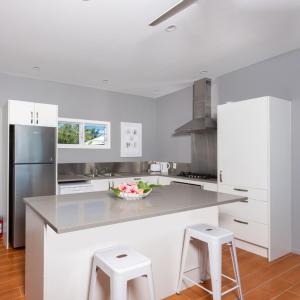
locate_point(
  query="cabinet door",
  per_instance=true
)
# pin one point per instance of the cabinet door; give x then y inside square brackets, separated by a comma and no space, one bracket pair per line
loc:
[21,112]
[100,184]
[243,133]
[45,115]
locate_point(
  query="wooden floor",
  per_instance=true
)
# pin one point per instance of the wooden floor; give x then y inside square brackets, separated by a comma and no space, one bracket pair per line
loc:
[11,273]
[261,280]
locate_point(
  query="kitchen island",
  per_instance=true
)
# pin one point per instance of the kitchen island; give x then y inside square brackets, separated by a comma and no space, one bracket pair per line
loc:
[63,232]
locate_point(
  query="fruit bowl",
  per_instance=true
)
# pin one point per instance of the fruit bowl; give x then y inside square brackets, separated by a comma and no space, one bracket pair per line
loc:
[130,196]
[133,191]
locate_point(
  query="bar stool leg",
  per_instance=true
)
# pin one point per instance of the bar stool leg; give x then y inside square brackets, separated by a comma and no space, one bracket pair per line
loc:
[151,285]
[118,288]
[93,281]
[236,269]
[215,261]
[185,248]
[203,259]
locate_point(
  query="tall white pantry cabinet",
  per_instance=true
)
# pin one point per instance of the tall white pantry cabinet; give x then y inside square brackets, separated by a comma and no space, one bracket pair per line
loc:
[254,160]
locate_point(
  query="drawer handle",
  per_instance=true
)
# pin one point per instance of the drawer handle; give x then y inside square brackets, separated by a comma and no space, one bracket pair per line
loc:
[240,190]
[244,201]
[241,222]
[137,178]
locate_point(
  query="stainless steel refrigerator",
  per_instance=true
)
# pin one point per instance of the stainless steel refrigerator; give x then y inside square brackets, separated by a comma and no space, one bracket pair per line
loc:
[32,172]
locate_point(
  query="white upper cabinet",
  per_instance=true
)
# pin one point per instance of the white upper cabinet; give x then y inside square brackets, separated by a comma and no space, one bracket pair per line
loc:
[243,132]
[30,113]
[21,112]
[46,115]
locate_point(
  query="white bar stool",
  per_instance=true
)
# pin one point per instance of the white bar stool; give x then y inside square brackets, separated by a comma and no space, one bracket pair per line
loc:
[215,237]
[121,264]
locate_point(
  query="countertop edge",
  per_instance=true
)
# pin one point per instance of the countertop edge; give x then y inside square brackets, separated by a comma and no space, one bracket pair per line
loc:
[111,222]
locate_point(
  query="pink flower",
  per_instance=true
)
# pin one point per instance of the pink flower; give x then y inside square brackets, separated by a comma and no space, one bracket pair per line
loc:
[122,187]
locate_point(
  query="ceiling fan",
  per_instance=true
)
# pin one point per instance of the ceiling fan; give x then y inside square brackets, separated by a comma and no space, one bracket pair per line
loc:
[180,6]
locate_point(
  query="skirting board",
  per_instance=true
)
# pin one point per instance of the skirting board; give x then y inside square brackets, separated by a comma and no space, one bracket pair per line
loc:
[251,248]
[296,251]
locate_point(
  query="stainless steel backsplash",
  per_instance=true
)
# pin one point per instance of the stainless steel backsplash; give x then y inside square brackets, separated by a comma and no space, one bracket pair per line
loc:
[114,167]
[204,152]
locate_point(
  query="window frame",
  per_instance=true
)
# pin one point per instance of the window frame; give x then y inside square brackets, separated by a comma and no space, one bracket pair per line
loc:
[81,144]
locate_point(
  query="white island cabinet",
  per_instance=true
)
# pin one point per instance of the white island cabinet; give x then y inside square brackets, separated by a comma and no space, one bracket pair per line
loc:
[63,232]
[254,160]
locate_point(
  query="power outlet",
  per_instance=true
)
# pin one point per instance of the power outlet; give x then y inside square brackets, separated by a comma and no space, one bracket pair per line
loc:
[174,165]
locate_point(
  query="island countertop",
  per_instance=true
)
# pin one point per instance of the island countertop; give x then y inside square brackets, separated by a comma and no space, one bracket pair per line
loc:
[67,213]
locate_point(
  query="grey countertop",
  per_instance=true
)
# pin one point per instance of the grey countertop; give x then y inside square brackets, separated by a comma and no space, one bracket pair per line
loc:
[78,178]
[66,213]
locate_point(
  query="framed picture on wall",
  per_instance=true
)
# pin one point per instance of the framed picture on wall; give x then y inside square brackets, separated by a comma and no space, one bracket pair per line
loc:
[131,139]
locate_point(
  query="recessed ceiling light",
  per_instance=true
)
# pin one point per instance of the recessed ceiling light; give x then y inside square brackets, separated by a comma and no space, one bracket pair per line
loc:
[36,68]
[170,28]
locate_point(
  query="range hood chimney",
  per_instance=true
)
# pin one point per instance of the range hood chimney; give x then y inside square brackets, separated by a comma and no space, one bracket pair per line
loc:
[202,120]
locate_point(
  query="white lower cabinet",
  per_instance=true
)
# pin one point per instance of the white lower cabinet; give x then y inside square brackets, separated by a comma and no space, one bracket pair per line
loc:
[148,179]
[162,180]
[250,209]
[248,219]
[75,188]
[208,186]
[100,185]
[83,187]
[246,230]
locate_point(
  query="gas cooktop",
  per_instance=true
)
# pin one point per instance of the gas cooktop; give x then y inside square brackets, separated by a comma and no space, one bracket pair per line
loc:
[197,175]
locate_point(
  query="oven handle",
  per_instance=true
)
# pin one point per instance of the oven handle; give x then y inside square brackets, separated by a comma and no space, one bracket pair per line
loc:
[188,183]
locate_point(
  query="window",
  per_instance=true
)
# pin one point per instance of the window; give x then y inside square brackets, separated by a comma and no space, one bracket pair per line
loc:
[87,134]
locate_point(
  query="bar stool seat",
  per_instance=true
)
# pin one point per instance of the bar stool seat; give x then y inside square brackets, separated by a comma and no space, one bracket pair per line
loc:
[214,237]
[121,263]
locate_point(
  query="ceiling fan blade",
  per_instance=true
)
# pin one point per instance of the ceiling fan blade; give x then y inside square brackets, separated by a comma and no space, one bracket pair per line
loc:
[183,4]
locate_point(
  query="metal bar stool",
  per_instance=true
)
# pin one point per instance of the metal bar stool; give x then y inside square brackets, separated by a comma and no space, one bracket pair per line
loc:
[121,264]
[215,237]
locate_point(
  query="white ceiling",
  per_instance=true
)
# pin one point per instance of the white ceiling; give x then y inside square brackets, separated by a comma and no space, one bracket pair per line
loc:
[85,42]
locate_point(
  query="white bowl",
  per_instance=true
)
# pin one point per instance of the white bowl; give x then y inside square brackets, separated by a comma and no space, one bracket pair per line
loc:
[129,196]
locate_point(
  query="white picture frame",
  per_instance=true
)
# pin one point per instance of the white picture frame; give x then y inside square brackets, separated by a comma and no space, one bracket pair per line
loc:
[131,139]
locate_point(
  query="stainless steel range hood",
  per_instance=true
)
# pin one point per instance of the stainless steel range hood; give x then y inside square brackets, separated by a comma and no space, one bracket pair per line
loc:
[202,120]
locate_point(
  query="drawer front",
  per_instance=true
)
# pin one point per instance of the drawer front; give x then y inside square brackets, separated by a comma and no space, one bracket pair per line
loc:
[75,190]
[206,185]
[246,230]
[250,209]
[256,194]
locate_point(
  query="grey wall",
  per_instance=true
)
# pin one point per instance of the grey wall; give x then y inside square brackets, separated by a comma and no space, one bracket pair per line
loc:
[173,111]
[91,104]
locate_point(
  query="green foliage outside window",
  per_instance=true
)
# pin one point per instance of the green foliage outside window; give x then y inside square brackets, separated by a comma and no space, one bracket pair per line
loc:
[68,133]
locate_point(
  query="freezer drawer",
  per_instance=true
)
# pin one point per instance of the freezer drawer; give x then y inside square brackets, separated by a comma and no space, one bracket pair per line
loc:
[33,144]
[28,180]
